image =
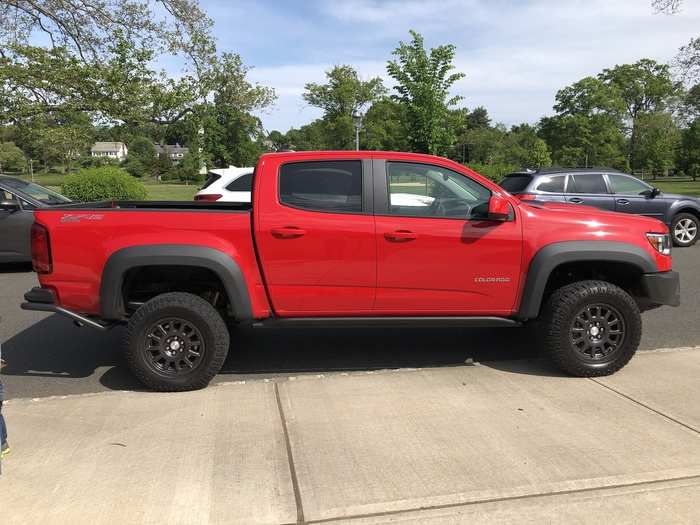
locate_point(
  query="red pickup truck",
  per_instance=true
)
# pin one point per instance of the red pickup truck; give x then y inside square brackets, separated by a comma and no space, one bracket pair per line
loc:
[351,238]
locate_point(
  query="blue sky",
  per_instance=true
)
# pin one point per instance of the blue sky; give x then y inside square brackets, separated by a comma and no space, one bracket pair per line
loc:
[515,54]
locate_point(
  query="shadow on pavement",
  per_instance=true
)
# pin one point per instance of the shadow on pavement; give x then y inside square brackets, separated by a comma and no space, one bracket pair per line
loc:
[15,267]
[54,347]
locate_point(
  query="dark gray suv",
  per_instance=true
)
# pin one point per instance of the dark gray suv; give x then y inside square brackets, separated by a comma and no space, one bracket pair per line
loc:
[611,190]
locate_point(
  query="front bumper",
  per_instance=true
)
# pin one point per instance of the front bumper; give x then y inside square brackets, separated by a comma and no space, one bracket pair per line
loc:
[44,300]
[662,288]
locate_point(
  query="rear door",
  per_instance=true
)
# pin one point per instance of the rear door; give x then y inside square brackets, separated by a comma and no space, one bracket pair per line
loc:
[629,199]
[314,231]
[590,189]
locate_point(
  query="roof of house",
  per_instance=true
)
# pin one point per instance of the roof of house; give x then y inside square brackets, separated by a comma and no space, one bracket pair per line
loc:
[171,148]
[107,146]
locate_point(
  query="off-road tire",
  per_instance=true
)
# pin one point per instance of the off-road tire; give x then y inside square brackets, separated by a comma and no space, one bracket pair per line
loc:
[684,218]
[194,311]
[560,318]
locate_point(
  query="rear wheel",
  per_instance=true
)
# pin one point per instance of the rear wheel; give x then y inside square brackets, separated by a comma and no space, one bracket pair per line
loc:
[591,328]
[684,229]
[176,341]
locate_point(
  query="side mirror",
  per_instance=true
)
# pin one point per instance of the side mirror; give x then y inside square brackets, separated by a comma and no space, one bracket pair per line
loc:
[500,209]
[11,206]
[651,193]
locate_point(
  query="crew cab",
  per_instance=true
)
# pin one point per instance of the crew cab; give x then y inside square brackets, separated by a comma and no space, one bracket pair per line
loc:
[351,238]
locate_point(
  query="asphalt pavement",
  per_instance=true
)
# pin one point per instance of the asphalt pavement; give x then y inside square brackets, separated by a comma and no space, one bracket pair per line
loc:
[49,356]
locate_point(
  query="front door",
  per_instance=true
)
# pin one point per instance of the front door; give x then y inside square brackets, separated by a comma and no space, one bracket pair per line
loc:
[315,236]
[15,228]
[589,189]
[629,199]
[437,254]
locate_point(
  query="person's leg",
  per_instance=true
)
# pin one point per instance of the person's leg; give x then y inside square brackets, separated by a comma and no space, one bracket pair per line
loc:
[3,428]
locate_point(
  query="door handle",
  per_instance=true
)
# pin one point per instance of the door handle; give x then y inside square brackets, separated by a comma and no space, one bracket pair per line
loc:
[400,236]
[576,200]
[622,202]
[288,232]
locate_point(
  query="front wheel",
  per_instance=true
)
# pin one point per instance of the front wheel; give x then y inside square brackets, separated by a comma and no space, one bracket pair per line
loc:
[175,342]
[684,229]
[591,328]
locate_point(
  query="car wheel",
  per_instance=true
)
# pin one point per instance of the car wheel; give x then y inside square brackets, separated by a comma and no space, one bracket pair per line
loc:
[176,342]
[591,328]
[684,229]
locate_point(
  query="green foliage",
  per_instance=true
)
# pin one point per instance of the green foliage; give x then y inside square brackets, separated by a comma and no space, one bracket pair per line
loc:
[384,127]
[135,167]
[189,167]
[495,172]
[12,159]
[658,137]
[107,183]
[689,152]
[423,82]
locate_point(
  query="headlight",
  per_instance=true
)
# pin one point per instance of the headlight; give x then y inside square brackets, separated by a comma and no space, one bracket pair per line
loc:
[661,242]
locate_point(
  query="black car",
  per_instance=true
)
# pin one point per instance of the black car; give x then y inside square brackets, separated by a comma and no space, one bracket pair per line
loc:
[18,200]
[611,190]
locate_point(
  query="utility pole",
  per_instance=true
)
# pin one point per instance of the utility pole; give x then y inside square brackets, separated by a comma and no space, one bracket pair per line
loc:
[357,122]
[31,170]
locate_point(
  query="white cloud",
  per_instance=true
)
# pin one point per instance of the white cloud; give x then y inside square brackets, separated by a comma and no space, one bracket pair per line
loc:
[516,55]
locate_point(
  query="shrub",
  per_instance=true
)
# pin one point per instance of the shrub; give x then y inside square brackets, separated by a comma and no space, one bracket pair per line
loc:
[495,172]
[106,183]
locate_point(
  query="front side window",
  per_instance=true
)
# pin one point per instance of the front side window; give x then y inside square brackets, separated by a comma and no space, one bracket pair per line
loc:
[627,185]
[587,183]
[554,184]
[422,190]
[330,186]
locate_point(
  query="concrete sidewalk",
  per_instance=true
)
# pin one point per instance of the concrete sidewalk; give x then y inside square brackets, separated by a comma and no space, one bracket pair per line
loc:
[501,442]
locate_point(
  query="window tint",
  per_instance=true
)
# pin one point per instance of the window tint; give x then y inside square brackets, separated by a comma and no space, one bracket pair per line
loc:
[627,185]
[587,183]
[243,183]
[211,179]
[552,184]
[422,190]
[322,186]
[515,183]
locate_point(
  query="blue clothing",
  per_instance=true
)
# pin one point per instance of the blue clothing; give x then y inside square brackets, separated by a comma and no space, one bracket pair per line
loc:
[3,426]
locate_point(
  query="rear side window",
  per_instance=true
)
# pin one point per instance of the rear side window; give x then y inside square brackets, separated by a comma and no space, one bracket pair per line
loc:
[552,184]
[587,183]
[243,183]
[211,179]
[332,186]
[515,183]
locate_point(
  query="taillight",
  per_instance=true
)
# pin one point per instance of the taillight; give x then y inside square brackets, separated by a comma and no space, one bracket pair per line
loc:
[208,197]
[41,249]
[526,197]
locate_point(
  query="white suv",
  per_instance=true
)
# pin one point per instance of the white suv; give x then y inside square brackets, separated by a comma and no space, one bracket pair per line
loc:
[227,185]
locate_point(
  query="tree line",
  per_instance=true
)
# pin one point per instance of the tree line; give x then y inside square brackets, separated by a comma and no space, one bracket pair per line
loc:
[95,81]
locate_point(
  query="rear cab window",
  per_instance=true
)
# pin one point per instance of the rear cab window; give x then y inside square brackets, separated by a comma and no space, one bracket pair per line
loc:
[515,183]
[325,186]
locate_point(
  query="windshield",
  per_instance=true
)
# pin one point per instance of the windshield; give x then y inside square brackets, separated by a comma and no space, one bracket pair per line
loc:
[36,192]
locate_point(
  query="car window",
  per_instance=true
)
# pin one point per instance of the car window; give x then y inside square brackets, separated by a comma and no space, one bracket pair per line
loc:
[333,186]
[627,185]
[424,190]
[243,183]
[554,184]
[211,179]
[7,196]
[587,183]
[515,183]
[39,193]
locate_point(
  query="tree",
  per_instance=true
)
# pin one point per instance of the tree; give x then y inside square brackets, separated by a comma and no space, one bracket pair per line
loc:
[658,137]
[423,82]
[384,127]
[643,87]
[340,97]
[478,118]
[689,151]
[524,148]
[12,159]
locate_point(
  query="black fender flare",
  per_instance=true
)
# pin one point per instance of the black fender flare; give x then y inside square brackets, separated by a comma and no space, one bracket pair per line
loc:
[111,299]
[549,257]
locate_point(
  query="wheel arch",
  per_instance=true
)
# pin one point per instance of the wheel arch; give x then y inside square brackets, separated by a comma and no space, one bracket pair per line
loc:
[557,255]
[219,263]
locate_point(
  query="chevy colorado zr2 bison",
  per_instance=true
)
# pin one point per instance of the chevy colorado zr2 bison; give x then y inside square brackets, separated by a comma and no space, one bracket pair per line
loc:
[351,238]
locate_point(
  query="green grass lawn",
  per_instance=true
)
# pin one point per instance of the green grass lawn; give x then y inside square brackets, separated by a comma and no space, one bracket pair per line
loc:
[683,187]
[171,192]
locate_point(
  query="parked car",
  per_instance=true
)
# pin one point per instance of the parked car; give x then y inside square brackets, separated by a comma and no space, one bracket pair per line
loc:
[227,185]
[325,242]
[18,200]
[611,190]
